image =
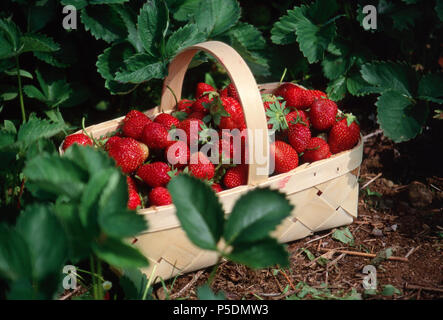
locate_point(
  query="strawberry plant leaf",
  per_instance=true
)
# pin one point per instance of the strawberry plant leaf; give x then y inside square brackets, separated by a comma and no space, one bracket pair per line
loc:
[133,283]
[107,1]
[78,4]
[249,36]
[260,254]
[15,258]
[205,293]
[119,254]
[43,233]
[399,116]
[334,67]
[182,38]
[255,214]
[255,59]
[10,39]
[355,84]
[336,89]
[311,26]
[404,19]
[104,23]
[389,76]
[439,9]
[129,18]
[141,67]
[33,42]
[198,210]
[186,10]
[389,290]
[213,17]
[23,73]
[343,235]
[153,22]
[430,88]
[35,129]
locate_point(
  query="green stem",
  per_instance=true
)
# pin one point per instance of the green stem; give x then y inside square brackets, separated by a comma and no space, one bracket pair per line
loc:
[20,91]
[94,280]
[99,284]
[151,278]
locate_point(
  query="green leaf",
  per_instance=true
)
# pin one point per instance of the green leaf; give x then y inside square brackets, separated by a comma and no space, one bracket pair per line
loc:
[389,76]
[260,254]
[404,19]
[186,10]
[8,92]
[153,21]
[46,240]
[107,1]
[249,36]
[334,67]
[308,254]
[343,235]
[399,117]
[89,159]
[355,84]
[15,259]
[255,214]
[23,73]
[182,38]
[40,14]
[119,254]
[10,39]
[389,290]
[129,18]
[113,216]
[204,292]
[78,4]
[430,87]
[336,89]
[140,68]
[439,9]
[35,129]
[198,210]
[59,176]
[104,23]
[311,26]
[213,17]
[33,42]
[133,283]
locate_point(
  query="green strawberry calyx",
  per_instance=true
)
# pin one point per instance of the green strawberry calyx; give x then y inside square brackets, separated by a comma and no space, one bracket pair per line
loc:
[277,116]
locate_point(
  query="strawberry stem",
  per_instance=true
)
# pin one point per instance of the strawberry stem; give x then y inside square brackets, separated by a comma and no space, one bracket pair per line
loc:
[283,75]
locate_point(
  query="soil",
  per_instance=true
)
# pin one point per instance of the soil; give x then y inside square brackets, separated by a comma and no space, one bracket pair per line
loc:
[400,210]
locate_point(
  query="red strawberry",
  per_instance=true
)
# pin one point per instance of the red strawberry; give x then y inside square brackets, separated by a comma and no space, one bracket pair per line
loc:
[297,116]
[133,124]
[188,124]
[202,88]
[200,103]
[156,136]
[286,158]
[167,120]
[184,105]
[268,99]
[134,199]
[297,97]
[111,141]
[232,147]
[197,115]
[236,119]
[317,149]
[299,136]
[177,154]
[78,138]
[200,166]
[216,187]
[223,93]
[128,153]
[317,94]
[281,90]
[159,196]
[322,114]
[344,134]
[154,174]
[236,176]
[232,92]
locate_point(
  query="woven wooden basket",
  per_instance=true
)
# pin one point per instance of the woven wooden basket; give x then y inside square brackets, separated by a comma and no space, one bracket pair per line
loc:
[324,193]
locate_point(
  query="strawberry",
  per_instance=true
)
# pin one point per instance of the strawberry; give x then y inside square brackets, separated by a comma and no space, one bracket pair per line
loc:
[281,90]
[194,124]
[128,153]
[200,103]
[159,196]
[285,157]
[232,116]
[134,199]
[156,136]
[231,147]
[236,176]
[111,141]
[317,94]
[167,120]
[232,92]
[317,149]
[297,116]
[200,166]
[133,124]
[154,174]
[223,93]
[184,105]
[297,97]
[78,138]
[268,99]
[299,136]
[177,154]
[202,88]
[197,115]
[322,114]
[344,134]
[216,187]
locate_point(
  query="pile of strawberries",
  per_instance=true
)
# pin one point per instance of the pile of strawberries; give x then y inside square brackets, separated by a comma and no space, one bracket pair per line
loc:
[308,127]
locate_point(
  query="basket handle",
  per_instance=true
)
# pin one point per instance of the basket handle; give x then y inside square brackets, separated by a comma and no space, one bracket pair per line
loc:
[250,99]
